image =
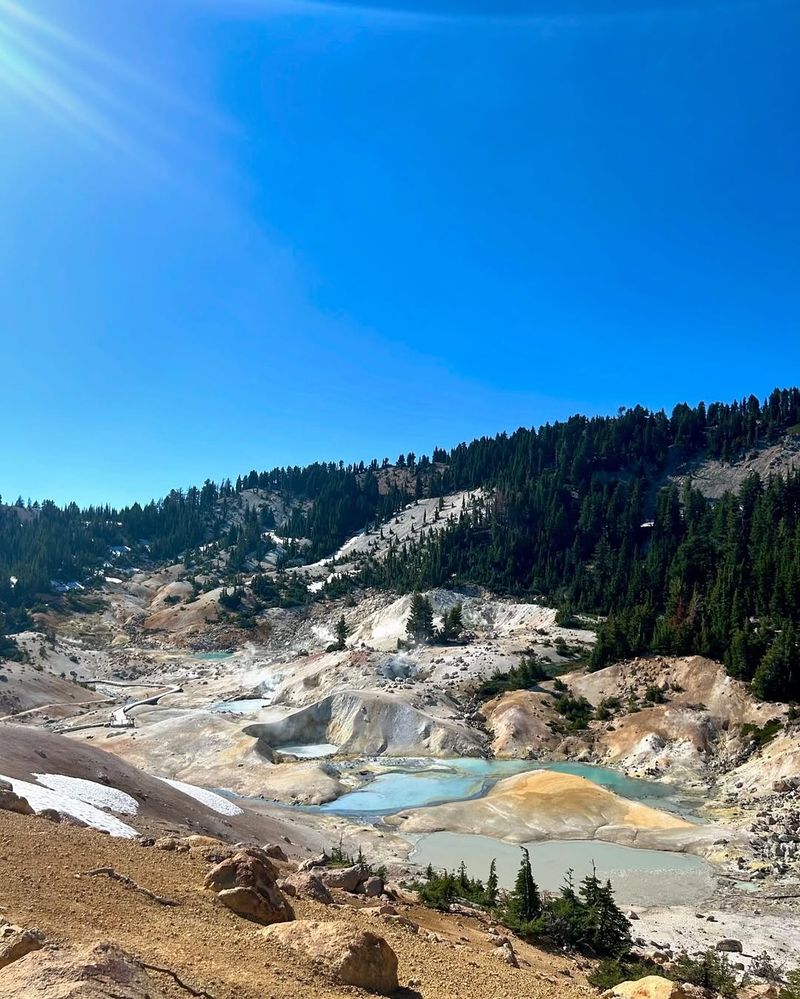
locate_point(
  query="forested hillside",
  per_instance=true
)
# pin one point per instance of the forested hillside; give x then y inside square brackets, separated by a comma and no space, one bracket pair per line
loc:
[573,512]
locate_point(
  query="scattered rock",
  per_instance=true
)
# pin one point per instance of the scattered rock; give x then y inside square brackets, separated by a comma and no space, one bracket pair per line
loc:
[308,885]
[506,954]
[275,852]
[346,955]
[246,883]
[729,945]
[347,879]
[103,971]
[12,802]
[651,987]
[16,942]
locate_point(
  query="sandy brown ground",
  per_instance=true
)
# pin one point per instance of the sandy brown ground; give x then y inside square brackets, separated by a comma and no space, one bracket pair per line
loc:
[212,949]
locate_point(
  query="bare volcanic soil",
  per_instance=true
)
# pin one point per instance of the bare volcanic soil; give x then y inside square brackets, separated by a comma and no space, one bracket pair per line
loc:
[212,949]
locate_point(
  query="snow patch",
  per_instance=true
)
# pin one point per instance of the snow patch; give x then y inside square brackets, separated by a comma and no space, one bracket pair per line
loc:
[208,798]
[40,798]
[91,793]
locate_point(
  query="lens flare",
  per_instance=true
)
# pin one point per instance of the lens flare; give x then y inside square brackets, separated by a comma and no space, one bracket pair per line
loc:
[73,85]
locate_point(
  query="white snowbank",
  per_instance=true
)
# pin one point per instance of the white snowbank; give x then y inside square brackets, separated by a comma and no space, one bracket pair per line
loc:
[41,798]
[213,801]
[91,792]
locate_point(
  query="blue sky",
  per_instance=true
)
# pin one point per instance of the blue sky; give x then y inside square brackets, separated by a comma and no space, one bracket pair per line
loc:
[240,233]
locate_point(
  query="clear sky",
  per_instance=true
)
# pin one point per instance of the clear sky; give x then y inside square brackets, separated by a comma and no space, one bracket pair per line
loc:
[241,233]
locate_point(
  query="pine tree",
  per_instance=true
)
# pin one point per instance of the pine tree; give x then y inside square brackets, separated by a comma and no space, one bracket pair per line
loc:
[452,623]
[420,619]
[492,885]
[341,633]
[606,930]
[778,673]
[524,902]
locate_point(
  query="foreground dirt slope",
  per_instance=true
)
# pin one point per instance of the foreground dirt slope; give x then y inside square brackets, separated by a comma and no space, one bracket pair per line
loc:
[214,950]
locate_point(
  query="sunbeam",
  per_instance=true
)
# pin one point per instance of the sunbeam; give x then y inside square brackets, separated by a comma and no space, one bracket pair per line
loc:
[99,99]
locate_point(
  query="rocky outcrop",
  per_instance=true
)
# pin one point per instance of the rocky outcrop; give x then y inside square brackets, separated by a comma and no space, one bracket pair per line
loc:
[16,942]
[363,722]
[308,884]
[275,852]
[345,878]
[522,724]
[357,880]
[103,971]
[346,955]
[651,987]
[12,802]
[247,884]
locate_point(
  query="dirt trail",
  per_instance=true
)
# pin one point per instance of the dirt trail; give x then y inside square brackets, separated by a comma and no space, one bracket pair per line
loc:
[212,949]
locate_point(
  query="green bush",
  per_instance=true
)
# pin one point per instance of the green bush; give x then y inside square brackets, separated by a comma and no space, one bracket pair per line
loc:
[611,972]
[763,735]
[577,710]
[655,695]
[711,971]
[791,989]
[441,888]
[526,675]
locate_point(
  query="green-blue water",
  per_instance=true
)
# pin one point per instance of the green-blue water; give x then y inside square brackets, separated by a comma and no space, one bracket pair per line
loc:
[407,784]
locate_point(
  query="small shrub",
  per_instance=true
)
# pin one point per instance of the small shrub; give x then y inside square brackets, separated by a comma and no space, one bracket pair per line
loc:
[609,973]
[760,737]
[791,989]
[606,708]
[711,971]
[577,711]
[766,967]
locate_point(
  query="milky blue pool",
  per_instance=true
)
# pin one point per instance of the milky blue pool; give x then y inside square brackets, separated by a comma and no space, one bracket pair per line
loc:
[411,784]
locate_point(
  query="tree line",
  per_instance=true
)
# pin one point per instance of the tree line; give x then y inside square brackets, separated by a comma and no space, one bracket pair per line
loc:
[573,512]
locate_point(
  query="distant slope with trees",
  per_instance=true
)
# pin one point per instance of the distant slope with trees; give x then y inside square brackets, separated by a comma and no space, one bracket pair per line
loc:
[580,513]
